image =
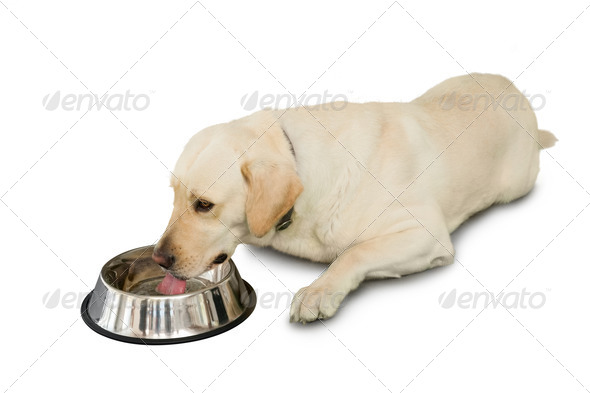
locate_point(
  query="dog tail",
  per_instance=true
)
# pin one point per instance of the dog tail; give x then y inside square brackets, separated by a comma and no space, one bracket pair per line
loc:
[546,139]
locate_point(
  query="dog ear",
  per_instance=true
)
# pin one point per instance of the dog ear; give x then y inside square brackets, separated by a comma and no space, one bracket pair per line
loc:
[272,191]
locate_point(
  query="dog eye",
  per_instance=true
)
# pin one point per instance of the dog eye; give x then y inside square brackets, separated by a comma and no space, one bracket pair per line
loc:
[202,205]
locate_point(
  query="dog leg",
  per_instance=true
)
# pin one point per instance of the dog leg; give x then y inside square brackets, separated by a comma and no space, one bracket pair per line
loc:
[394,255]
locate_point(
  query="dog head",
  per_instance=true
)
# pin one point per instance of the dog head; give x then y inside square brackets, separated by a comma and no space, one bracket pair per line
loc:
[232,181]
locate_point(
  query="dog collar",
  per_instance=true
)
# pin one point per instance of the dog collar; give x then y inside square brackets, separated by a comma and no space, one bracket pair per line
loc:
[286,220]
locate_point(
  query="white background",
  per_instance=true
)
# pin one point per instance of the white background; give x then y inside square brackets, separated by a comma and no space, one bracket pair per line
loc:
[67,207]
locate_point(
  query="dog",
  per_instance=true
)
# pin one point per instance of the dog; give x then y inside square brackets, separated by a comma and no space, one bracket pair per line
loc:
[373,189]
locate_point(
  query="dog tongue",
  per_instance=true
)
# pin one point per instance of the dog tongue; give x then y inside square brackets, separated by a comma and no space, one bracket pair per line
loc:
[171,285]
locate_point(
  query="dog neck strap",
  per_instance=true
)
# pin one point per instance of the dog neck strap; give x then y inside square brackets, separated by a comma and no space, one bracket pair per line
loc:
[286,220]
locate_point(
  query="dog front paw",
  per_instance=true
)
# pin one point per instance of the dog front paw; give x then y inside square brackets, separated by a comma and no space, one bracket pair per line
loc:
[312,303]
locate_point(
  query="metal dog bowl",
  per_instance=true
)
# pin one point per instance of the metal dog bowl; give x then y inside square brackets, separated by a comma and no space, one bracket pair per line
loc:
[125,305]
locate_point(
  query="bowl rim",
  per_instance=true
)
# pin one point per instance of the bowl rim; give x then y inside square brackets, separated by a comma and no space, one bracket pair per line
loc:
[109,287]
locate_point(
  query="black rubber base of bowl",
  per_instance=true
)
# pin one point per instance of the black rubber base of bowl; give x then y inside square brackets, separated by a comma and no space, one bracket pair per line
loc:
[162,341]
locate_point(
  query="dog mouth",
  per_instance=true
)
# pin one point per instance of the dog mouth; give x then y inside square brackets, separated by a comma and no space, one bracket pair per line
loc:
[219,259]
[172,284]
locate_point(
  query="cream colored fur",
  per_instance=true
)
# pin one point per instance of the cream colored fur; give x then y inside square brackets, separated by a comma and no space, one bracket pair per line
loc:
[377,188]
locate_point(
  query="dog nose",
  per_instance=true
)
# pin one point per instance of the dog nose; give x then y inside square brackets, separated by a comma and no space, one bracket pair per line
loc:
[162,259]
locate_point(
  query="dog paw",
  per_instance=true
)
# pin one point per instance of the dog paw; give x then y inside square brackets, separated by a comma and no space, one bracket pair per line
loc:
[312,303]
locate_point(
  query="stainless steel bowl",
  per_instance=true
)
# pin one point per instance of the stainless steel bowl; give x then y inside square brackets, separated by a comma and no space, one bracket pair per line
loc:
[125,306]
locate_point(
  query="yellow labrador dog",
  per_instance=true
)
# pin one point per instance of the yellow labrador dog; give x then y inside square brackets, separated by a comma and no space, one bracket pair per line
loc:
[374,189]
